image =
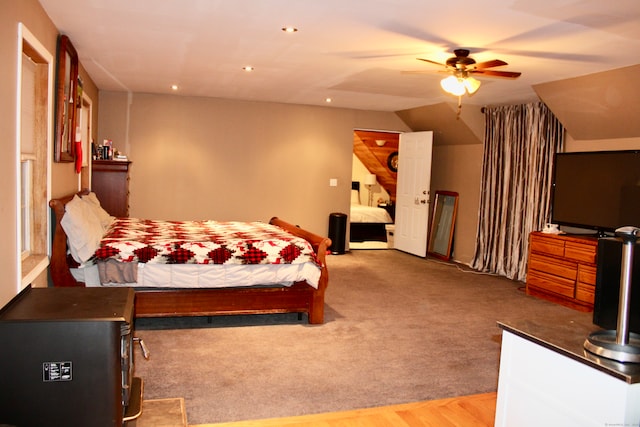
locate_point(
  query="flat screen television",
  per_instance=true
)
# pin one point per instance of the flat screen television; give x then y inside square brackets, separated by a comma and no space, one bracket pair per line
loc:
[596,190]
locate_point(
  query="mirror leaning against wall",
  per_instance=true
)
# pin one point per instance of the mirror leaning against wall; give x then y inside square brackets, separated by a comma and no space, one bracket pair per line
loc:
[443,225]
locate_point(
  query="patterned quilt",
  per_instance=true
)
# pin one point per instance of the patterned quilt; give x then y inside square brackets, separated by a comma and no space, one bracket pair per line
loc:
[201,242]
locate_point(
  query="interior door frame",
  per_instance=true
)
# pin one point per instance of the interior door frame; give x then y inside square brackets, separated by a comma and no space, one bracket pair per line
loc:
[384,144]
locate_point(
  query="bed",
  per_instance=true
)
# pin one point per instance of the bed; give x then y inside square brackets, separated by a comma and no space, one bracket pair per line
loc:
[288,295]
[367,223]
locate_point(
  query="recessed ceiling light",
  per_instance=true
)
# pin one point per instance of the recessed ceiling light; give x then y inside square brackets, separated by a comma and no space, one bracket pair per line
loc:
[248,68]
[328,100]
[174,87]
[289,29]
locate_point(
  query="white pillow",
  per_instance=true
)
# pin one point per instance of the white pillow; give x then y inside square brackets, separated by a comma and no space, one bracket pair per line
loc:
[355,197]
[83,229]
[103,216]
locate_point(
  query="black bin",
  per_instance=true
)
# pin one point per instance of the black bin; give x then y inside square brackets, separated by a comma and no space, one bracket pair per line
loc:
[337,232]
[607,296]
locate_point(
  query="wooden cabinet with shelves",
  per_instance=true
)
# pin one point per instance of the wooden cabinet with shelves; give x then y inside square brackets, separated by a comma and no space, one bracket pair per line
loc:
[110,182]
[562,269]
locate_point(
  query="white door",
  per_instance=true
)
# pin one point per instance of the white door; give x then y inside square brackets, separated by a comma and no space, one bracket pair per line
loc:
[412,192]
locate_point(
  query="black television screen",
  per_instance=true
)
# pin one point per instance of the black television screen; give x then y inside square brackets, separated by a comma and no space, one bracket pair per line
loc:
[596,190]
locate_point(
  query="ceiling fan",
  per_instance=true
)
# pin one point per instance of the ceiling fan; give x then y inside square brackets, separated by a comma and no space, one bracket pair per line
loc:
[463,62]
[461,68]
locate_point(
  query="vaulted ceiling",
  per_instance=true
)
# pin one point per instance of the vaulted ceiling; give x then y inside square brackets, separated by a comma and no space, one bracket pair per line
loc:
[351,51]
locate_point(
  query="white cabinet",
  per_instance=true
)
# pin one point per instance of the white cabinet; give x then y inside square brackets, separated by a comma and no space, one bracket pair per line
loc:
[541,385]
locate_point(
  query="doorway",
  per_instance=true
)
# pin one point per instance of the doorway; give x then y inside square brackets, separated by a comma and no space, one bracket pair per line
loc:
[373,193]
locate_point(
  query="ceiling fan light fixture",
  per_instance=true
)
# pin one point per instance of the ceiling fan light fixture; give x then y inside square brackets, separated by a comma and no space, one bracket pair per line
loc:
[459,85]
[471,85]
[453,85]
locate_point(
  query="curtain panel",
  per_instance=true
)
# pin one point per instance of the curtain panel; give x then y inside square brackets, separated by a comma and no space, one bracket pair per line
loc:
[515,197]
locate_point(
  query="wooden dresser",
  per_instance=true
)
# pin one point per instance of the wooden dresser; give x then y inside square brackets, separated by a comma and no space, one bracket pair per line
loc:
[110,182]
[562,269]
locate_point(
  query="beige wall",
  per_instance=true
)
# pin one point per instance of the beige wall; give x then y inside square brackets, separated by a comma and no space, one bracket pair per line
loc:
[211,158]
[459,168]
[33,17]
[206,158]
[64,180]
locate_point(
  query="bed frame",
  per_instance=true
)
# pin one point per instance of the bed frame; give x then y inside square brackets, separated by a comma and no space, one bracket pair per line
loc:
[153,302]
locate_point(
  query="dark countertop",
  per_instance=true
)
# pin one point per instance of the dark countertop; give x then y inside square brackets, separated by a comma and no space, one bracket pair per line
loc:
[568,340]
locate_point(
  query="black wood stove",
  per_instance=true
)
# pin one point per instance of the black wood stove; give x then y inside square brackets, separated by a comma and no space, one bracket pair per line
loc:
[66,358]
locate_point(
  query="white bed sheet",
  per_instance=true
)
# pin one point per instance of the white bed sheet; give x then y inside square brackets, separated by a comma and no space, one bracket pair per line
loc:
[209,276]
[362,213]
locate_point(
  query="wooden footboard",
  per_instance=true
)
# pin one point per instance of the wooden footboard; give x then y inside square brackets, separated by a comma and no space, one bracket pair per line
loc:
[299,298]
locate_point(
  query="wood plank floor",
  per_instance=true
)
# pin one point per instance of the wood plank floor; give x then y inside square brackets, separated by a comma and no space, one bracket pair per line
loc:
[467,411]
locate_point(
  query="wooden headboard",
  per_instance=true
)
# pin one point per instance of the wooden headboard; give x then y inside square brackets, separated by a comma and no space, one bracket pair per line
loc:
[59,264]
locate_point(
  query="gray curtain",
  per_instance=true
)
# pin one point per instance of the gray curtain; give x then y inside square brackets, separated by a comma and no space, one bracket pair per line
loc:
[519,144]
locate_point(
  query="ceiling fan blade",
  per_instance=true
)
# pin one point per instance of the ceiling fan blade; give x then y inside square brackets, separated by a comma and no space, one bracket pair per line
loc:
[432,62]
[495,73]
[489,64]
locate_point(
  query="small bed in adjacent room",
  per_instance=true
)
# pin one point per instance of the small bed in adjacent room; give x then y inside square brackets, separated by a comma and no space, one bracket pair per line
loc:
[190,268]
[367,223]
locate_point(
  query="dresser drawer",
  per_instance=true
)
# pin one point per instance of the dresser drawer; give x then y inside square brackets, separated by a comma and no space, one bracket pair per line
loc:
[548,282]
[547,245]
[586,274]
[553,266]
[585,292]
[582,252]
[586,286]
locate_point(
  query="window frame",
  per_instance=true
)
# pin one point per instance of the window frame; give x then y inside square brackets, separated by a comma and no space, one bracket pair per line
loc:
[32,263]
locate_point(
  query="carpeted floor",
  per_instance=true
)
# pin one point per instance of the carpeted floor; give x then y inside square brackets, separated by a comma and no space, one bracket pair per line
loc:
[398,329]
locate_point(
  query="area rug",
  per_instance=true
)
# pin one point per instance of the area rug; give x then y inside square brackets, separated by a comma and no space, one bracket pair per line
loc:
[162,413]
